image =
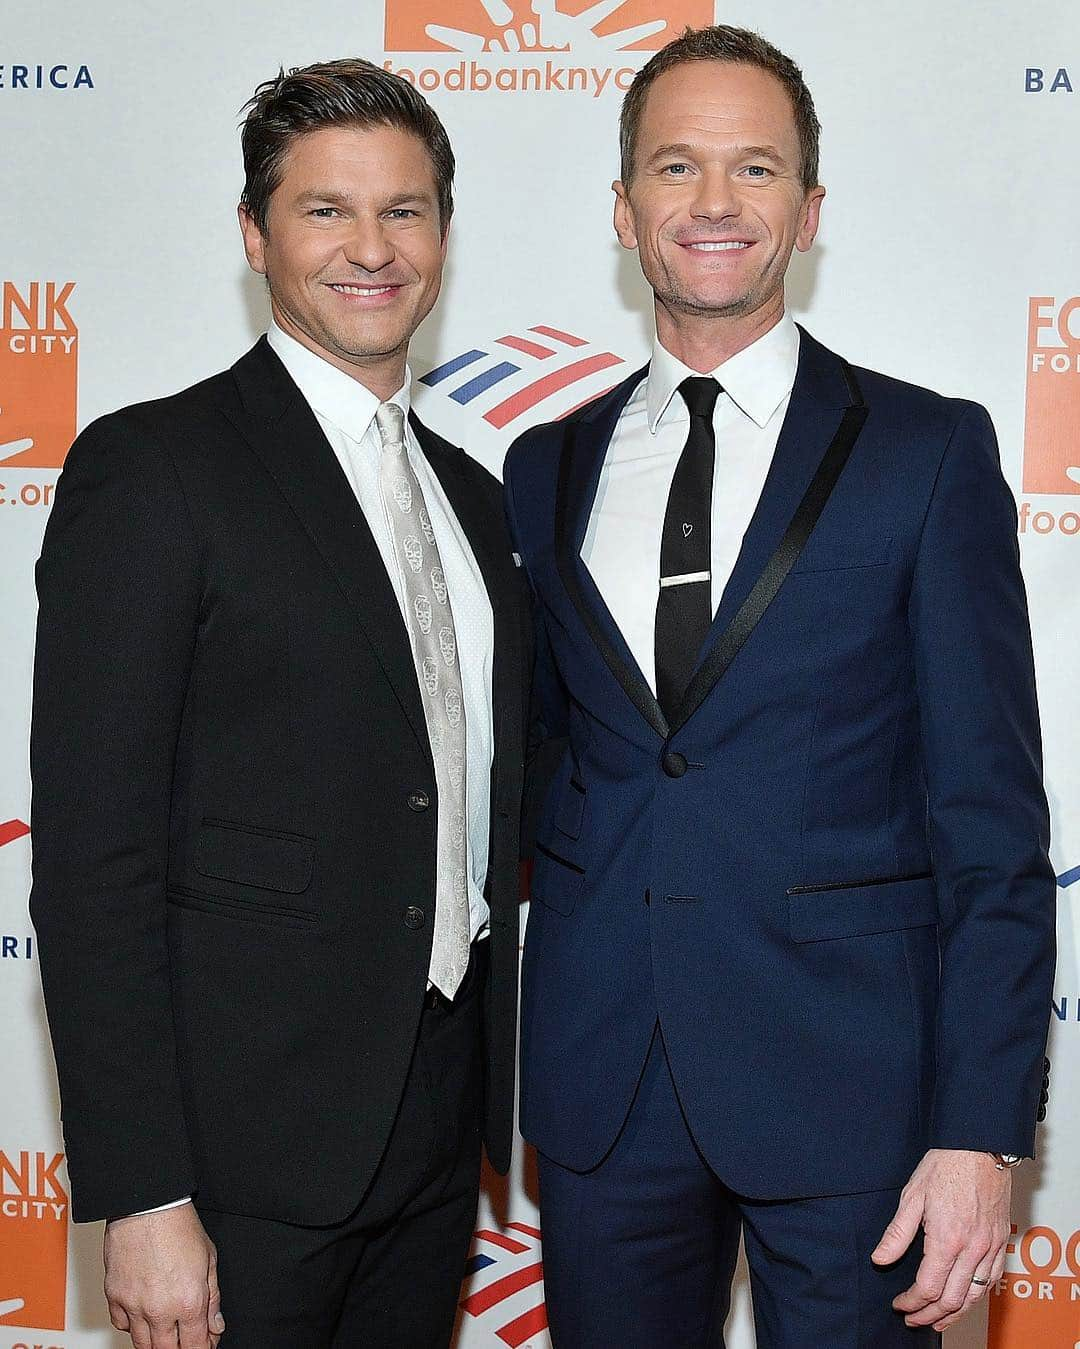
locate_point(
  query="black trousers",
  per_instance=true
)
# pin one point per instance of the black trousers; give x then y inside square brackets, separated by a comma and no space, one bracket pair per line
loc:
[389,1277]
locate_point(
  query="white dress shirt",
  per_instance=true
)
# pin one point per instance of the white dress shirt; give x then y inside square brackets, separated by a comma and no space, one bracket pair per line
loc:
[622,541]
[345,410]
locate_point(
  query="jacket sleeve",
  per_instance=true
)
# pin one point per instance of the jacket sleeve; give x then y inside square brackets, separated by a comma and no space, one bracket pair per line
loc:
[988,815]
[118,591]
[549,716]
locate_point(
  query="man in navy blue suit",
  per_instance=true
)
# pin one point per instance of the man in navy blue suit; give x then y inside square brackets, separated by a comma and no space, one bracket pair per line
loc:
[789,958]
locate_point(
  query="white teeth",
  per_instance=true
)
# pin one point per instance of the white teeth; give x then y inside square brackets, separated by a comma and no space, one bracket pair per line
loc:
[361,290]
[717,247]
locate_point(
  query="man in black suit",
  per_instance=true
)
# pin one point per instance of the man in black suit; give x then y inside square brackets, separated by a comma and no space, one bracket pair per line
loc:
[277,759]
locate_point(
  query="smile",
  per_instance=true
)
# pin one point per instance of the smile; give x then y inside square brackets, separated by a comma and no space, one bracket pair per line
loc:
[710,246]
[343,289]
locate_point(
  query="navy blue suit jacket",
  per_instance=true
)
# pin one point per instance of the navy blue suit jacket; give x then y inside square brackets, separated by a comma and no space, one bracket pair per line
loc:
[842,911]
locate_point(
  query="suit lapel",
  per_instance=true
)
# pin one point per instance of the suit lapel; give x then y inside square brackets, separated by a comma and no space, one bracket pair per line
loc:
[285,435]
[823,421]
[585,444]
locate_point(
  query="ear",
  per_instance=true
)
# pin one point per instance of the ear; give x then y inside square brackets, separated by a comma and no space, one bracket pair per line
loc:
[624,215]
[811,219]
[254,243]
[445,239]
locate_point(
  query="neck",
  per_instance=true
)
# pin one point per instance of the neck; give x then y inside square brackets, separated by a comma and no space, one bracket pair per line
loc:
[381,375]
[705,341]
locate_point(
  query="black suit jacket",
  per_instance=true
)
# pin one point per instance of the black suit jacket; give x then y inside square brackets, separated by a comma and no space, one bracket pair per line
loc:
[233,885]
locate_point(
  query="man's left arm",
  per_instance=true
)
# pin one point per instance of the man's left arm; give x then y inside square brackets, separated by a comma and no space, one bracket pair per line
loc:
[989,830]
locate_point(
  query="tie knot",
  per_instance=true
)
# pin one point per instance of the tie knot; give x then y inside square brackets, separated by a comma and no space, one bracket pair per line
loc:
[390,420]
[700,393]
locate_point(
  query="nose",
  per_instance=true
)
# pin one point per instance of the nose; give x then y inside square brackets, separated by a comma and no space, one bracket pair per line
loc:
[368,245]
[715,199]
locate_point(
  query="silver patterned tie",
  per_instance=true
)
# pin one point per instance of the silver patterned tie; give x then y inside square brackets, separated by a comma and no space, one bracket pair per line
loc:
[434,643]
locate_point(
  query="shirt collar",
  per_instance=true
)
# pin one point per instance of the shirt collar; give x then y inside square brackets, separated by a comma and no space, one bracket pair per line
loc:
[757,379]
[338,398]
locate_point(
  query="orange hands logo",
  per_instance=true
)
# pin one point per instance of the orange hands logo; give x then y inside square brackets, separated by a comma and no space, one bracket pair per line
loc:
[599,27]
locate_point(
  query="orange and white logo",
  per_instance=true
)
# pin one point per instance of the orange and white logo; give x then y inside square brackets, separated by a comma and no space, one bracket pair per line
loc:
[39,362]
[539,46]
[473,26]
[1052,429]
[1038,1300]
[33,1240]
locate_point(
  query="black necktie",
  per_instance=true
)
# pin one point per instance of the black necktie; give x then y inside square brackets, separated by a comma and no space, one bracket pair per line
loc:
[684,607]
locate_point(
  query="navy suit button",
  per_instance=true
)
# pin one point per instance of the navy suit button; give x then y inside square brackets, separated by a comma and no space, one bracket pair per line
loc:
[673,763]
[419,801]
[414,917]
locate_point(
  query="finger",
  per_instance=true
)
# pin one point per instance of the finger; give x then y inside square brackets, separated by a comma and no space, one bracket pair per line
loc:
[934,1269]
[997,1273]
[141,1337]
[215,1322]
[193,1333]
[163,1335]
[119,1317]
[900,1232]
[956,1297]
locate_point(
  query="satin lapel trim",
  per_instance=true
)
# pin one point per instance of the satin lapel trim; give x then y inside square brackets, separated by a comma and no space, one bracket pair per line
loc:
[580,464]
[287,439]
[799,485]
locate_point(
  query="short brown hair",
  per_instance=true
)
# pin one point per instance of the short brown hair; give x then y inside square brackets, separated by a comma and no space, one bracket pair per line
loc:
[351,92]
[721,42]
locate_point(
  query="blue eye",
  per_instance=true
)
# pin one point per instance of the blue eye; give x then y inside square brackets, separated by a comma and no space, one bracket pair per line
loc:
[757,169]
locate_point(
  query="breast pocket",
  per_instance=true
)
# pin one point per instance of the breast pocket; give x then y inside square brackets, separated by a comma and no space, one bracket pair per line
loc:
[844,554]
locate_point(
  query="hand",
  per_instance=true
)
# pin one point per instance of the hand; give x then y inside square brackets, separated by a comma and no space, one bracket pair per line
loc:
[161,1280]
[962,1201]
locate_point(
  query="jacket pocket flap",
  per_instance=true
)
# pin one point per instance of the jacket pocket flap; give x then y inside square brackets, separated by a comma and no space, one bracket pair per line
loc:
[817,913]
[263,858]
[555,881]
[841,555]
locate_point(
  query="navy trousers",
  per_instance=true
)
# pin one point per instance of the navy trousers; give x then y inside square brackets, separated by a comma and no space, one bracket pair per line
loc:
[640,1251]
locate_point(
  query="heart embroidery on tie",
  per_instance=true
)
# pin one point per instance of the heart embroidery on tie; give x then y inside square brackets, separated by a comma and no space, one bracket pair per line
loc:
[687,530]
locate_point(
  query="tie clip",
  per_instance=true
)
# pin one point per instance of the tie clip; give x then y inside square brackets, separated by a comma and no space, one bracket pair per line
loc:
[687,578]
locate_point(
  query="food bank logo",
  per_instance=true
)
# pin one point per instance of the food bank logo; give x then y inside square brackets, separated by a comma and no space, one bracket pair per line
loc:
[1037,1301]
[39,362]
[33,1240]
[1052,422]
[538,35]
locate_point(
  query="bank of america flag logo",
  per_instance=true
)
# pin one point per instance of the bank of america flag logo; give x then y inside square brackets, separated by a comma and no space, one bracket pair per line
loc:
[485,396]
[504,1285]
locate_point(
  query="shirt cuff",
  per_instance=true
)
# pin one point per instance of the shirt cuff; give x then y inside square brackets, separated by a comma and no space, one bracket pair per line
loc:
[176,1203]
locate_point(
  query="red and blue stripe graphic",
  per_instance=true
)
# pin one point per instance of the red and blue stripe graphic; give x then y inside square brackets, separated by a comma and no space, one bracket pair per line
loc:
[512,1258]
[550,359]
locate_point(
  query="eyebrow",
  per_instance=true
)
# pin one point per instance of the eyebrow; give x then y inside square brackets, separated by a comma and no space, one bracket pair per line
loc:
[333,198]
[743,151]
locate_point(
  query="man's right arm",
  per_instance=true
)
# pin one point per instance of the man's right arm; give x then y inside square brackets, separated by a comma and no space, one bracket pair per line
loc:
[119,591]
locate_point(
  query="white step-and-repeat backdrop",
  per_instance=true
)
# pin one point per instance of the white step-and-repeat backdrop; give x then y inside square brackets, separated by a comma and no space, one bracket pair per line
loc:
[948,256]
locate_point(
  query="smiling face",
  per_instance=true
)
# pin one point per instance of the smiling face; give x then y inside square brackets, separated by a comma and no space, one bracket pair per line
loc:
[354,250]
[716,203]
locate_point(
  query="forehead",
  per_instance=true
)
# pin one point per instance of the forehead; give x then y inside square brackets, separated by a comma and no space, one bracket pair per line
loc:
[717,101]
[348,157]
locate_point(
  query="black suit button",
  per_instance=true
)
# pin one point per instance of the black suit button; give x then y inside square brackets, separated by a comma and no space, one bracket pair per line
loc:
[419,801]
[414,917]
[673,763]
